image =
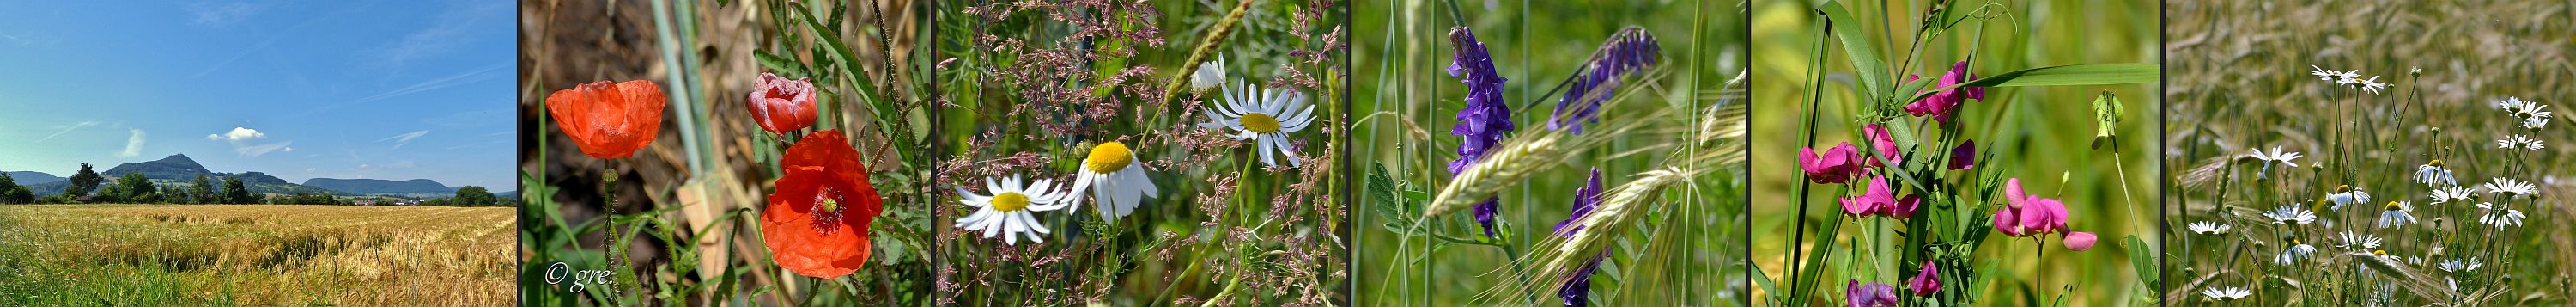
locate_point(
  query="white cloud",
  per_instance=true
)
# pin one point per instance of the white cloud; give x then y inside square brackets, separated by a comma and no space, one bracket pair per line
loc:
[237,135]
[404,139]
[210,13]
[240,138]
[133,145]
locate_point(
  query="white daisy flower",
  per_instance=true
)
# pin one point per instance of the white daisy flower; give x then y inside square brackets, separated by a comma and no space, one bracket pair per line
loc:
[2537,122]
[2321,73]
[2372,85]
[1209,75]
[2395,215]
[2453,193]
[2510,188]
[2432,172]
[2209,228]
[2226,294]
[2349,74]
[2498,216]
[1008,212]
[1264,117]
[2291,215]
[2357,241]
[2277,155]
[1115,179]
[2529,109]
[2511,103]
[2347,195]
[2519,142]
[2455,265]
[2295,252]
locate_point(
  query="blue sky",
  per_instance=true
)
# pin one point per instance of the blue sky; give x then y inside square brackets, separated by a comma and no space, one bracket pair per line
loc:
[299,89]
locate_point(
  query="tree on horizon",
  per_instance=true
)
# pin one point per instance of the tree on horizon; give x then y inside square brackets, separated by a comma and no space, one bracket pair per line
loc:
[12,193]
[202,192]
[475,196]
[83,182]
[234,193]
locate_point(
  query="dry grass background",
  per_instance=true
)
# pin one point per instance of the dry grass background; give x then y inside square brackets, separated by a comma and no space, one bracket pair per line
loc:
[259,255]
[2239,72]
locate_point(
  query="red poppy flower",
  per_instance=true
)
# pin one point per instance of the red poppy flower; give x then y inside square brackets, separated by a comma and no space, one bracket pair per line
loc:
[782,104]
[817,220]
[609,120]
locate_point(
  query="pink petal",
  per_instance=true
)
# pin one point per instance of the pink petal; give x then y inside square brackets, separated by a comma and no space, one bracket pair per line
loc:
[2079,241]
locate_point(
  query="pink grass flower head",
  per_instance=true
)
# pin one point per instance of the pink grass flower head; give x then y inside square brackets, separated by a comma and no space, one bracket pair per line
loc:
[1877,199]
[1834,166]
[1944,105]
[2079,241]
[1925,282]
[1869,295]
[1964,156]
[1883,143]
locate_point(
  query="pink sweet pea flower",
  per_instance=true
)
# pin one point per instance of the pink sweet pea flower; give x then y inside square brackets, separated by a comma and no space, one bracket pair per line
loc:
[1883,143]
[2046,216]
[2008,221]
[2079,241]
[1925,282]
[1904,207]
[1877,199]
[1834,166]
[1944,105]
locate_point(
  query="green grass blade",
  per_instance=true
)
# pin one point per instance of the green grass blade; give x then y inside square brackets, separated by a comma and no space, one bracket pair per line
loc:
[2078,74]
[1864,56]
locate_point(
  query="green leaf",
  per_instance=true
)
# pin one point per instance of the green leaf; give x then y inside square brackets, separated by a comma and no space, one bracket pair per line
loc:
[2142,259]
[2078,74]
[2106,118]
[1857,47]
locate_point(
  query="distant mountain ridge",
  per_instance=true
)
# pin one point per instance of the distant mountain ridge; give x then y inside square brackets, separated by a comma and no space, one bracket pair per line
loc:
[33,177]
[179,170]
[380,186]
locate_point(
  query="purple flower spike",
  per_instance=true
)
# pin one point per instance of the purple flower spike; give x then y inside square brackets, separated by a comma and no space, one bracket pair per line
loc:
[1486,117]
[1627,52]
[1578,289]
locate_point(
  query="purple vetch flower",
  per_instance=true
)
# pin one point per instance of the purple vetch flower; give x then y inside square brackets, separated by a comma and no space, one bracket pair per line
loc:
[1578,288]
[1964,156]
[1486,117]
[1869,295]
[1629,51]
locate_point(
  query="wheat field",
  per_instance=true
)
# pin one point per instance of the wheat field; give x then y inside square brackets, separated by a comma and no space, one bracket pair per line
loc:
[258,255]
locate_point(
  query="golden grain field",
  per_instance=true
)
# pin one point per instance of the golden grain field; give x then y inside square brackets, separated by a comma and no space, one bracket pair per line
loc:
[255,255]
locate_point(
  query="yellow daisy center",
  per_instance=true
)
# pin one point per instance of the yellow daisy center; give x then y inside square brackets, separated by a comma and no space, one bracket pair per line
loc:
[2392,206]
[2343,188]
[2379,252]
[2295,241]
[1109,157]
[2436,163]
[1010,202]
[1259,123]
